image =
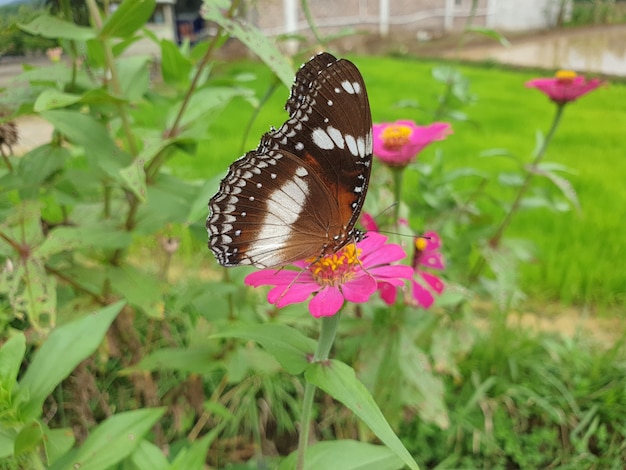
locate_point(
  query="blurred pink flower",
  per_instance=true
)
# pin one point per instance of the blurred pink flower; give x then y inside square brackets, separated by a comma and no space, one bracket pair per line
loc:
[54,53]
[397,144]
[352,274]
[566,86]
[427,254]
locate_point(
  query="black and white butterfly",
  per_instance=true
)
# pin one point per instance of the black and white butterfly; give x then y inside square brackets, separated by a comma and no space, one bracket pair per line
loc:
[300,193]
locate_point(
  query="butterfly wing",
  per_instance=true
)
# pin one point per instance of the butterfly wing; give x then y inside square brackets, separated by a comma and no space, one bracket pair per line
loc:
[299,194]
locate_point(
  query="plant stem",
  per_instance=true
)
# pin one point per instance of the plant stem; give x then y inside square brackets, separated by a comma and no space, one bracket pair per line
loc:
[327,337]
[494,241]
[397,174]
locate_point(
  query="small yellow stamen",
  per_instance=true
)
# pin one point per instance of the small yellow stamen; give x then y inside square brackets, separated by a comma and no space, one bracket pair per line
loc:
[335,269]
[565,76]
[396,136]
[420,243]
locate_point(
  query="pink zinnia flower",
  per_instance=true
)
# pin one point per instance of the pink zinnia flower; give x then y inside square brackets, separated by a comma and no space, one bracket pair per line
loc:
[427,254]
[398,143]
[351,274]
[566,86]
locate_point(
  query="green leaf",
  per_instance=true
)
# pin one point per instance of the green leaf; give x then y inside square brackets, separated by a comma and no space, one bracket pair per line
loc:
[134,178]
[112,441]
[346,455]
[198,360]
[255,40]
[105,236]
[38,165]
[7,441]
[11,355]
[194,456]
[340,382]
[134,76]
[84,130]
[290,347]
[51,99]
[139,288]
[57,442]
[175,67]
[563,184]
[29,438]
[64,349]
[147,456]
[128,18]
[55,28]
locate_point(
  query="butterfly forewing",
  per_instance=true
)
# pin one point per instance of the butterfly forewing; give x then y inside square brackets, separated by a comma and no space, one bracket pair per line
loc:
[299,194]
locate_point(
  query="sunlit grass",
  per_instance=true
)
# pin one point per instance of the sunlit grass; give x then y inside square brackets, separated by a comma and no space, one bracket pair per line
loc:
[581,257]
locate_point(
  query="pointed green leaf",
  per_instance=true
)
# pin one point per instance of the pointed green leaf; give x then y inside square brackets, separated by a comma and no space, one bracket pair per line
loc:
[53,27]
[194,455]
[51,99]
[29,438]
[134,76]
[340,382]
[64,349]
[106,236]
[57,442]
[198,360]
[290,347]
[175,67]
[112,441]
[139,288]
[129,16]
[147,456]
[134,178]
[255,40]
[346,455]
[11,355]
[563,184]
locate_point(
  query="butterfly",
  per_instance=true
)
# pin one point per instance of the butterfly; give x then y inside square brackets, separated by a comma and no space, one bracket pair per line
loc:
[300,193]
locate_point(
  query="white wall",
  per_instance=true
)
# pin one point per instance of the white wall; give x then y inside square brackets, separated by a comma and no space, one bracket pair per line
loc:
[525,14]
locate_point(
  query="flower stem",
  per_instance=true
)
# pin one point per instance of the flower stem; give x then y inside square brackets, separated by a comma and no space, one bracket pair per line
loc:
[494,241]
[398,174]
[327,337]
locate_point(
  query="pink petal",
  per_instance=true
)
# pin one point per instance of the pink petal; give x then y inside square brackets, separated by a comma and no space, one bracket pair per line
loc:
[421,294]
[433,241]
[394,273]
[368,222]
[287,295]
[383,255]
[432,260]
[360,289]
[372,242]
[433,281]
[326,302]
[388,292]
[271,277]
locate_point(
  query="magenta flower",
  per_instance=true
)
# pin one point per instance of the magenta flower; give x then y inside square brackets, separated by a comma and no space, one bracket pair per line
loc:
[397,144]
[352,274]
[427,254]
[566,86]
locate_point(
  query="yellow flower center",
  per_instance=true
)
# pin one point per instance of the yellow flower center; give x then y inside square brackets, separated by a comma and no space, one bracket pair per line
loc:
[335,269]
[420,243]
[565,76]
[396,136]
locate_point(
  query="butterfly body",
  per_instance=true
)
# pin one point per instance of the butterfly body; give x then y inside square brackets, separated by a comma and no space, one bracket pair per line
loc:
[300,193]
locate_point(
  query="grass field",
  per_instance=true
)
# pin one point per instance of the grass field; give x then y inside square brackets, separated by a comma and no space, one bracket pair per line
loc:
[581,258]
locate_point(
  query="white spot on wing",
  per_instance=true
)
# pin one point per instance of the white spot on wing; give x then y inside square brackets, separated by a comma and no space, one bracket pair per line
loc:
[335,134]
[348,86]
[322,139]
[352,145]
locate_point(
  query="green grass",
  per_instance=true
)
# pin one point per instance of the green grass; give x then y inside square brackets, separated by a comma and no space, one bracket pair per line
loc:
[581,257]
